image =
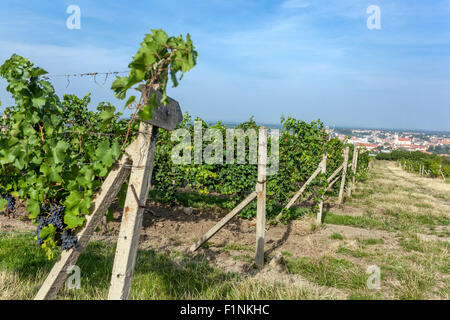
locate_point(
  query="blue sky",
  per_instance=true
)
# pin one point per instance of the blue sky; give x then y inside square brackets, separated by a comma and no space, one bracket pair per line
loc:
[308,59]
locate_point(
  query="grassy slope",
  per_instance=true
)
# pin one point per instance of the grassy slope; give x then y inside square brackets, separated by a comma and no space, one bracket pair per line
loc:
[414,213]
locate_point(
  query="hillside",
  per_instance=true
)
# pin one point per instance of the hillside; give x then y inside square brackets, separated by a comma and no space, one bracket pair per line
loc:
[396,220]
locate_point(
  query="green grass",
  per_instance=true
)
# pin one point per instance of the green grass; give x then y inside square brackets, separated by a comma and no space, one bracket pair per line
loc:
[337,236]
[157,275]
[404,218]
[410,283]
[360,222]
[236,247]
[354,253]
[391,220]
[370,241]
[20,253]
[24,266]
[329,271]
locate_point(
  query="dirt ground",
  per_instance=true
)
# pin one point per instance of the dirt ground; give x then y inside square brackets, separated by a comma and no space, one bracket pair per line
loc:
[171,229]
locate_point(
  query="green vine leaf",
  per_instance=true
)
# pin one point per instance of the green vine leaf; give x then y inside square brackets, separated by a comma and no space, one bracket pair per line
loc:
[34,208]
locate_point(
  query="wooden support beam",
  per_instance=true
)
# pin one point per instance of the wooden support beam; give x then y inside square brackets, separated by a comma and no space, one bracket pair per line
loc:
[299,192]
[344,176]
[354,166]
[130,229]
[332,183]
[335,173]
[261,190]
[208,235]
[324,170]
[105,196]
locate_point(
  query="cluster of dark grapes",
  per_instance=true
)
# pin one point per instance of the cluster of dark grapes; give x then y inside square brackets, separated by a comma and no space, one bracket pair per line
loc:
[56,218]
[68,240]
[11,201]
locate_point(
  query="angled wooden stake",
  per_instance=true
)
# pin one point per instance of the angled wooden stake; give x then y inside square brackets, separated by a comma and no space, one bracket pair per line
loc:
[208,235]
[335,173]
[332,183]
[324,170]
[130,229]
[109,190]
[299,192]
[344,176]
[261,190]
[354,164]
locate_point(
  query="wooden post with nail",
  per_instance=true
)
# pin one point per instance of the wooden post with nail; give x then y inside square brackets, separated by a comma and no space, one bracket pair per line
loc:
[261,200]
[344,176]
[323,170]
[354,166]
[166,117]
[130,228]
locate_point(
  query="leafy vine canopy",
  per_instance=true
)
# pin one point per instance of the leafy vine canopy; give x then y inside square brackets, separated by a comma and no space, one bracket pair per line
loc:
[56,152]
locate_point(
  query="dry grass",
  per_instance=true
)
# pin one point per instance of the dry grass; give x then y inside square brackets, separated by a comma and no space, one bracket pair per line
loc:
[12,286]
[414,211]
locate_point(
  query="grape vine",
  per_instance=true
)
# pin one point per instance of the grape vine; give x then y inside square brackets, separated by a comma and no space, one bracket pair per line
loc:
[49,157]
[301,149]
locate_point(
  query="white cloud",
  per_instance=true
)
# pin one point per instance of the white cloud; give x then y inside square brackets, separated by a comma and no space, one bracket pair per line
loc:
[68,59]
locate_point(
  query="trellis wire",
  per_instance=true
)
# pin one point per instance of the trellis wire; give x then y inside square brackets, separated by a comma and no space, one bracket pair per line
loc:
[89,74]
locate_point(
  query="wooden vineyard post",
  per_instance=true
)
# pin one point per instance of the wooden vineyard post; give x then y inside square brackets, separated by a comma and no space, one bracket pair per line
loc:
[259,194]
[130,228]
[110,188]
[354,165]
[261,199]
[166,117]
[323,170]
[344,176]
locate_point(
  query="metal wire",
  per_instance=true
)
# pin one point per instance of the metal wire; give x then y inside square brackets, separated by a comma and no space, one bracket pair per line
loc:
[48,76]
[89,74]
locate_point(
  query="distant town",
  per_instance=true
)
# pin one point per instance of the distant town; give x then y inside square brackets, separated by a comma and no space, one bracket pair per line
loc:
[378,140]
[385,140]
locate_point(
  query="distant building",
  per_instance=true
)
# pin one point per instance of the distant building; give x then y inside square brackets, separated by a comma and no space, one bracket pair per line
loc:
[402,141]
[415,147]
